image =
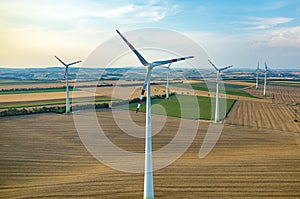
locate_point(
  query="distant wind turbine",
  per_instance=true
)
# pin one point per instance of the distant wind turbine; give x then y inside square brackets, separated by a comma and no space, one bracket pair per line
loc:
[265,81]
[148,175]
[257,74]
[66,77]
[167,85]
[217,114]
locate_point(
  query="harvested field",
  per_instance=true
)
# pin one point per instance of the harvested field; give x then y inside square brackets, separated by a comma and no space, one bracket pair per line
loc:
[282,94]
[29,97]
[279,115]
[42,157]
[264,115]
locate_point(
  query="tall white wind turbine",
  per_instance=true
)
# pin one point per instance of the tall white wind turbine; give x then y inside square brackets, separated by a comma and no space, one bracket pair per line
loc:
[148,175]
[257,74]
[217,114]
[265,80]
[66,77]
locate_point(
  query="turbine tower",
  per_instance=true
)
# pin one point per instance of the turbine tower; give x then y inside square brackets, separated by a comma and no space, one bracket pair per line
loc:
[257,73]
[265,81]
[217,114]
[66,77]
[148,175]
[167,85]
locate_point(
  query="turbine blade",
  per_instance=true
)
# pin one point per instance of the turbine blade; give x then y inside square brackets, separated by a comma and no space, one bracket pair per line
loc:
[158,63]
[140,57]
[74,63]
[60,60]
[147,78]
[266,67]
[221,69]
[213,65]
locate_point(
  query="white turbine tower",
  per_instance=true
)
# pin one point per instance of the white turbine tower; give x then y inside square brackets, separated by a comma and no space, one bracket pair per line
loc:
[217,114]
[148,175]
[257,74]
[265,82]
[167,85]
[66,76]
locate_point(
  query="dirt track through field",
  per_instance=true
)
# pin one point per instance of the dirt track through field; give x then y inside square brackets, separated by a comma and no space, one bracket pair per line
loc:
[41,156]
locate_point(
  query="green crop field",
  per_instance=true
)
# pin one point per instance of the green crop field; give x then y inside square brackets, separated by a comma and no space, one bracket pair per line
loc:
[172,106]
[230,89]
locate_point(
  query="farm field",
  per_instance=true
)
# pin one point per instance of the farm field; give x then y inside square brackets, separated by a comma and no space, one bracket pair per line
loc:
[173,108]
[230,88]
[279,113]
[43,157]
[282,94]
[264,115]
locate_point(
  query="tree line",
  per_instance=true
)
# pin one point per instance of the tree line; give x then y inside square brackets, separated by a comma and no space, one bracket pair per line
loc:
[52,109]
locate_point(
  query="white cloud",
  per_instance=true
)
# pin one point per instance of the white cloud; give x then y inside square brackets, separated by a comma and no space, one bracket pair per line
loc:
[284,37]
[288,37]
[131,13]
[259,23]
[43,14]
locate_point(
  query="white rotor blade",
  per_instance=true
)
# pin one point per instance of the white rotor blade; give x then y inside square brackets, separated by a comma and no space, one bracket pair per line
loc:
[140,57]
[74,63]
[147,78]
[60,60]
[221,69]
[159,63]
[213,65]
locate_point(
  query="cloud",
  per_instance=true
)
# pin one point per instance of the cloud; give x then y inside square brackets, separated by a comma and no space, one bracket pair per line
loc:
[288,37]
[259,23]
[283,38]
[132,13]
[55,14]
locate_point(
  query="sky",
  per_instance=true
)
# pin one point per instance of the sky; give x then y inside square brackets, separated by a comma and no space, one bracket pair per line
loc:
[239,32]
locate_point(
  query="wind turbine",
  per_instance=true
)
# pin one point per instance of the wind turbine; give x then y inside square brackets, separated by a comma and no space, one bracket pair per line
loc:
[265,82]
[257,73]
[167,85]
[66,77]
[148,175]
[217,89]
